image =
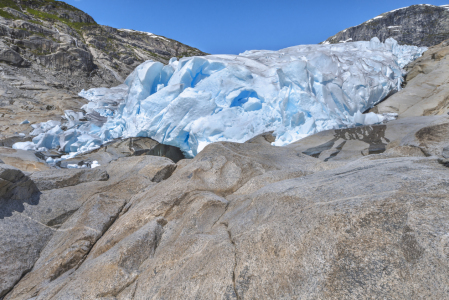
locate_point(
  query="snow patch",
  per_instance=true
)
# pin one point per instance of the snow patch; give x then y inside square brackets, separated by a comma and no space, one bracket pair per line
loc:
[348,40]
[147,33]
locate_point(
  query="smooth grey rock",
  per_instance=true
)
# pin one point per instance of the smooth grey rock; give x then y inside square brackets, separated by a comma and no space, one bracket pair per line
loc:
[253,221]
[415,136]
[426,91]
[74,239]
[68,220]
[153,168]
[55,179]
[21,239]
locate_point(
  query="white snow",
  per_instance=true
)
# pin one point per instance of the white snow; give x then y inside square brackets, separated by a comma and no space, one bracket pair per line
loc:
[348,40]
[147,33]
[296,92]
[95,164]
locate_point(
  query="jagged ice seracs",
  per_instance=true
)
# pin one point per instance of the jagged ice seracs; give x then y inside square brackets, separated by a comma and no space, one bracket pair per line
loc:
[195,101]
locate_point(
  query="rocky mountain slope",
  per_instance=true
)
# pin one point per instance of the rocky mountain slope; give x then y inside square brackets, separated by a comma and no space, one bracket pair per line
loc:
[419,25]
[50,51]
[355,213]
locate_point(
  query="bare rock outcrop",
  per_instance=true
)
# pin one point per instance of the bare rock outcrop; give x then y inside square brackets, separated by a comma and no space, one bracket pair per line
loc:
[245,221]
[50,220]
[427,89]
[419,25]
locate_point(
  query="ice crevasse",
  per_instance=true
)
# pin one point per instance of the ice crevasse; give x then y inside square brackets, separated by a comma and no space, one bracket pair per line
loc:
[196,101]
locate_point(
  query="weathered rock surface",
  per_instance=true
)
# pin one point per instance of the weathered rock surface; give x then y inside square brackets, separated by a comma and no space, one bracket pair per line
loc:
[427,88]
[419,25]
[417,136]
[23,160]
[254,221]
[60,223]
[356,213]
[17,255]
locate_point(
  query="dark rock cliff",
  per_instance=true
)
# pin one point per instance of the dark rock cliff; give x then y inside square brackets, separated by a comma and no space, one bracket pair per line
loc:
[419,25]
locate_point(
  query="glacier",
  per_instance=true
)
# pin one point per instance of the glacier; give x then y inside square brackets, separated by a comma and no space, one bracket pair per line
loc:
[195,101]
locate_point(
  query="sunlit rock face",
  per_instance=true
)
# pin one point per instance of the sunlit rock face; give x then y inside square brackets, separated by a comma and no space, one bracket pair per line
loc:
[191,103]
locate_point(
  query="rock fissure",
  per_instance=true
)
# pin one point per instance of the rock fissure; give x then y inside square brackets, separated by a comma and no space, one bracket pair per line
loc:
[225,210]
[102,233]
[235,261]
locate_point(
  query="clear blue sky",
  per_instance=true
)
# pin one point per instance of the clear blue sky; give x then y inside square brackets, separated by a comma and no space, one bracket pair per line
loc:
[233,26]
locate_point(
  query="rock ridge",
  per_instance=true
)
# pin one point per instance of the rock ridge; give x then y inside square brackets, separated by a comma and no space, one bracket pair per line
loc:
[418,25]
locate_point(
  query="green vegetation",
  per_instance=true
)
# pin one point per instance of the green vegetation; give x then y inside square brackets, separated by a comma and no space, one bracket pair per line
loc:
[40,52]
[45,36]
[51,17]
[36,22]
[6,15]
[9,3]
[65,5]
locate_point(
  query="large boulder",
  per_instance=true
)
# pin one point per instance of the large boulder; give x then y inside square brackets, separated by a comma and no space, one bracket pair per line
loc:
[56,179]
[15,185]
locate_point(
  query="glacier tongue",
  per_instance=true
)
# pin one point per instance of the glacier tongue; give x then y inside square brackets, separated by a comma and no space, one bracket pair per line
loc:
[196,101]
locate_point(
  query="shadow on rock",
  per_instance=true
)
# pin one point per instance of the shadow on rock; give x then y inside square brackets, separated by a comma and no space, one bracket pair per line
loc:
[16,189]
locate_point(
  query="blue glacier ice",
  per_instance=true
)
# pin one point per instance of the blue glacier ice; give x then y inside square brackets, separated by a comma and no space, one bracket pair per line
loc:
[196,101]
